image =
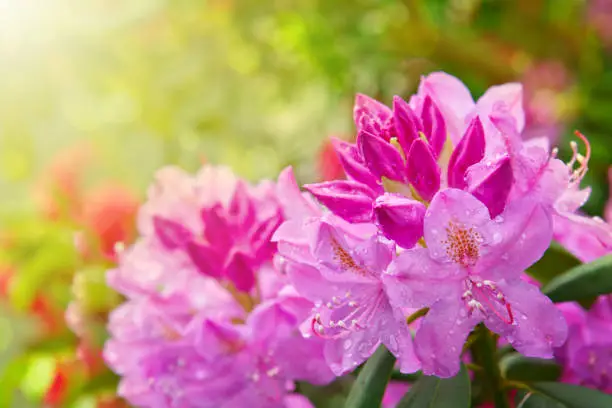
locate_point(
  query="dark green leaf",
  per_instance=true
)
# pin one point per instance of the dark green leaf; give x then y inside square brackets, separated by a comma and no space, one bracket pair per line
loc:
[573,396]
[519,368]
[555,261]
[106,381]
[434,392]
[582,282]
[369,388]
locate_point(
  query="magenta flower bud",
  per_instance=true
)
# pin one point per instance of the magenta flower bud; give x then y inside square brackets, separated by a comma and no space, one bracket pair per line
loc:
[470,150]
[400,218]
[422,170]
[407,124]
[239,270]
[205,259]
[345,198]
[381,157]
[216,228]
[353,164]
[493,189]
[171,234]
[433,126]
[367,109]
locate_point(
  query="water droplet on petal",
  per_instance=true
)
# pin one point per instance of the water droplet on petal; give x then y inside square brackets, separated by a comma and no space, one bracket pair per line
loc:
[347,344]
[497,237]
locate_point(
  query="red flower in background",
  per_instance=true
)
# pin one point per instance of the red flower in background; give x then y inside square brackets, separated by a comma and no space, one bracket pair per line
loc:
[109,212]
[328,163]
[58,191]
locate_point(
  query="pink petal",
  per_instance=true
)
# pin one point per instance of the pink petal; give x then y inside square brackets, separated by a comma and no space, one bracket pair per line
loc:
[517,239]
[414,280]
[452,97]
[456,207]
[309,283]
[434,126]
[297,401]
[440,338]
[347,199]
[171,234]
[396,336]
[511,95]
[381,157]
[370,108]
[345,354]
[422,170]
[469,151]
[407,124]
[394,392]
[494,189]
[540,326]
[241,205]
[292,201]
[205,258]
[400,218]
[217,231]
[353,164]
[357,263]
[239,269]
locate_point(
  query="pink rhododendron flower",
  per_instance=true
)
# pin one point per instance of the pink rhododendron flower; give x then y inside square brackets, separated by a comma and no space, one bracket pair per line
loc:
[400,151]
[210,319]
[587,355]
[339,267]
[470,272]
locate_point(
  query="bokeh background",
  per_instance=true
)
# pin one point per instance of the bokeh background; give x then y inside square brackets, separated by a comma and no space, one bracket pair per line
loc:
[97,94]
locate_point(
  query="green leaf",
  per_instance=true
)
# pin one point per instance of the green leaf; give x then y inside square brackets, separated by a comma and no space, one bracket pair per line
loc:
[105,381]
[53,344]
[434,392]
[582,282]
[519,368]
[10,379]
[553,263]
[572,396]
[369,388]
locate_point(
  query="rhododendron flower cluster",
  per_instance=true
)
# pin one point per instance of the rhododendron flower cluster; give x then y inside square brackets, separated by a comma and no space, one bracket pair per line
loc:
[209,319]
[234,292]
[470,206]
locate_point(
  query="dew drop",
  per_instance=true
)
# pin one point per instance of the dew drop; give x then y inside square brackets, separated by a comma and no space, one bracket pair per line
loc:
[347,344]
[499,219]
[497,237]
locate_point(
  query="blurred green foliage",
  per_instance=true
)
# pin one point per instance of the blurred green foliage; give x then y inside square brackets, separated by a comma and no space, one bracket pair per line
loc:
[253,84]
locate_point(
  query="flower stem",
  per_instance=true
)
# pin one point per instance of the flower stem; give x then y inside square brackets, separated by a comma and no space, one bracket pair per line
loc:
[484,354]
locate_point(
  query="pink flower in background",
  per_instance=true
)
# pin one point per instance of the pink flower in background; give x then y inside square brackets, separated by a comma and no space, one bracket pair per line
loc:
[338,266]
[587,355]
[546,86]
[599,15]
[214,326]
[471,272]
